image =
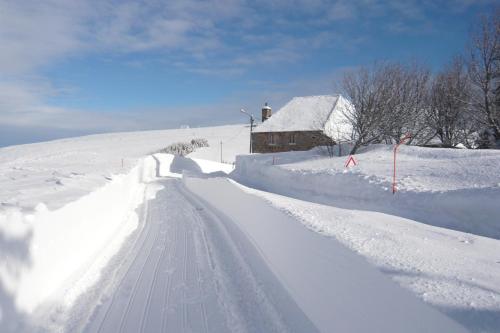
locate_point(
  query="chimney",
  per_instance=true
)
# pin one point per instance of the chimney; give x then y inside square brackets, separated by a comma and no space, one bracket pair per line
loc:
[266,112]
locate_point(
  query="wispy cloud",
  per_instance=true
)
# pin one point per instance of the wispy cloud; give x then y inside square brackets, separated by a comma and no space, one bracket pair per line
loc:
[342,10]
[24,104]
[35,33]
[38,33]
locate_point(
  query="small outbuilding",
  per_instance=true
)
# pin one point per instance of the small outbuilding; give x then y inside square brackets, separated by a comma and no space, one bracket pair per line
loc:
[302,124]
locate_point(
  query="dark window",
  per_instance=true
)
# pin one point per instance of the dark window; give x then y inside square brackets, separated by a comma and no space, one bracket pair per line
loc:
[272,139]
[291,139]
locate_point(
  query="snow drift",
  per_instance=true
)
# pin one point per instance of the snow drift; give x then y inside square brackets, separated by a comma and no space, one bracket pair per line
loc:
[56,254]
[456,189]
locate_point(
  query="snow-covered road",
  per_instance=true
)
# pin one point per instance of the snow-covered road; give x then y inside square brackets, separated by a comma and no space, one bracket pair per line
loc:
[168,286]
[234,263]
[184,275]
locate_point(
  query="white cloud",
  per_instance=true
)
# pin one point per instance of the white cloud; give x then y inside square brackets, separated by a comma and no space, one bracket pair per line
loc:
[23,104]
[35,33]
[342,10]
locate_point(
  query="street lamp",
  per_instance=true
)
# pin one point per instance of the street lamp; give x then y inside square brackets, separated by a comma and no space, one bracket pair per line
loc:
[251,126]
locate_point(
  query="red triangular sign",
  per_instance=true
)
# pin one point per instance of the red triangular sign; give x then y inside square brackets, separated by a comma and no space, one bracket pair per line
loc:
[349,160]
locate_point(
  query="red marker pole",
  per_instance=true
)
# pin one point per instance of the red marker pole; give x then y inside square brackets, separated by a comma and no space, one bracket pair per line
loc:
[403,140]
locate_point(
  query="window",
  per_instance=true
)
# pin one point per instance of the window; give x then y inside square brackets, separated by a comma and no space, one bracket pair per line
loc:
[291,139]
[272,139]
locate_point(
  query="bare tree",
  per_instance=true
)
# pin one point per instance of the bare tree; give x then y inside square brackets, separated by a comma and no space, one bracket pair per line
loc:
[407,103]
[367,89]
[448,116]
[483,64]
[496,73]
[392,99]
[389,101]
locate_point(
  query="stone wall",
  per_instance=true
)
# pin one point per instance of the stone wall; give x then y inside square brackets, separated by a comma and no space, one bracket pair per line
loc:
[288,141]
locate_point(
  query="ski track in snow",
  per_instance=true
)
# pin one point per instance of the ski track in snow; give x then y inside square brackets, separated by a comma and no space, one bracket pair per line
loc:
[178,282]
[164,268]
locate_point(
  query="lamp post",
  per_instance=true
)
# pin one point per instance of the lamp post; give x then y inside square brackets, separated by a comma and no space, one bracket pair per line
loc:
[251,126]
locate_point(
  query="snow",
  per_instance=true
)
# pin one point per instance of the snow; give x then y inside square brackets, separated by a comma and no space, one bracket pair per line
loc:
[68,205]
[68,247]
[311,113]
[457,189]
[408,236]
[184,274]
[195,260]
[61,171]
[76,227]
[456,272]
[419,169]
[207,166]
[336,289]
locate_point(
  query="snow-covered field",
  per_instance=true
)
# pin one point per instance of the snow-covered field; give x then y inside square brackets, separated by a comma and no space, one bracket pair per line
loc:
[59,172]
[68,208]
[451,188]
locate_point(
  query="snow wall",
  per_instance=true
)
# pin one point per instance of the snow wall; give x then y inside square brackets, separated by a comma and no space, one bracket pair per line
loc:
[472,210]
[45,253]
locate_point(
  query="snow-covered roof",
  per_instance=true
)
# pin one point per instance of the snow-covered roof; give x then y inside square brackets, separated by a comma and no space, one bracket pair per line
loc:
[309,113]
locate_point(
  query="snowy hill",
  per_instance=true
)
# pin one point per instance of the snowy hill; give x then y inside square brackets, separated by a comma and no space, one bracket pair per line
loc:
[58,172]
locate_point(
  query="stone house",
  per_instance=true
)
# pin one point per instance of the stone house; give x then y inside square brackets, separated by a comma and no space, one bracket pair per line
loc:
[302,124]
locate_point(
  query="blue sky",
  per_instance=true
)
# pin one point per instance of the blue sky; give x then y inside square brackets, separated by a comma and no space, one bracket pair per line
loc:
[76,67]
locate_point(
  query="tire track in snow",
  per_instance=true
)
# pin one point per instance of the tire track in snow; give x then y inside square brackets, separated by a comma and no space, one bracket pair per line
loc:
[205,286]
[145,231]
[136,284]
[199,279]
[153,284]
[184,281]
[168,284]
[241,273]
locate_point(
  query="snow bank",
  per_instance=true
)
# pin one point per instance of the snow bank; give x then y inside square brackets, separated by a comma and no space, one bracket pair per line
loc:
[164,165]
[456,189]
[207,166]
[456,272]
[175,166]
[49,255]
[337,289]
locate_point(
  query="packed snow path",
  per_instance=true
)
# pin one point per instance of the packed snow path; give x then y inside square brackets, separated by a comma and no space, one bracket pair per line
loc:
[211,258]
[176,283]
